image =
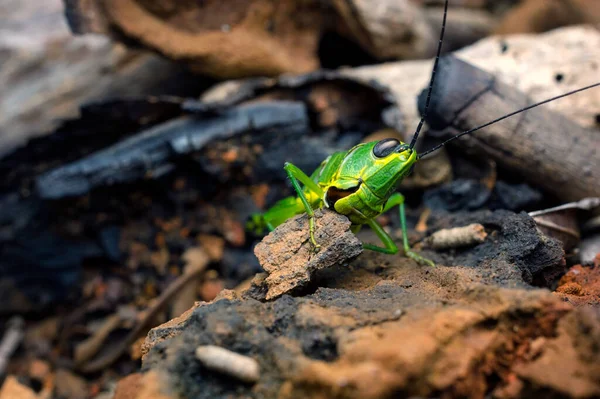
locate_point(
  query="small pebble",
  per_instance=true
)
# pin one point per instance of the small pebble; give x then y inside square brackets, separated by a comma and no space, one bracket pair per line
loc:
[222,360]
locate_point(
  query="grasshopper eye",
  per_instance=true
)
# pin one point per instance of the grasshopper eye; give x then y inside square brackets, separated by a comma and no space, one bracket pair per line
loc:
[385,147]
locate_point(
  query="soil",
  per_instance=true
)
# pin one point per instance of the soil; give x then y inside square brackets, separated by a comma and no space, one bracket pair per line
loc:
[384,327]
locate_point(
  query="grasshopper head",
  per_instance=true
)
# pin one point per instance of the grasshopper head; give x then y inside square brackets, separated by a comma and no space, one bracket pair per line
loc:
[389,161]
[377,166]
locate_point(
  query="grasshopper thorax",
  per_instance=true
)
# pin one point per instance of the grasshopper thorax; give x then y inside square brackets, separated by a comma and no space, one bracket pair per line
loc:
[370,170]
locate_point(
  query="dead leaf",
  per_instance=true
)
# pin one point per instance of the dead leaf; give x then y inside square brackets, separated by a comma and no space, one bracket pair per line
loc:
[560,222]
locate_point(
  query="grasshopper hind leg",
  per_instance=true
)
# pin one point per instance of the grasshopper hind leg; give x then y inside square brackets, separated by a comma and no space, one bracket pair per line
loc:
[261,223]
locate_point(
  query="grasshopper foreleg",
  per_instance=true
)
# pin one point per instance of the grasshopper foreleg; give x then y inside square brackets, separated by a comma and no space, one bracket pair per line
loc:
[295,175]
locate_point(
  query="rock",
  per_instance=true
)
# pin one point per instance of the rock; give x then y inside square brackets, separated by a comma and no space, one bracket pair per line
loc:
[513,241]
[128,387]
[469,194]
[385,326]
[459,194]
[141,386]
[289,257]
[574,350]
[167,330]
[12,388]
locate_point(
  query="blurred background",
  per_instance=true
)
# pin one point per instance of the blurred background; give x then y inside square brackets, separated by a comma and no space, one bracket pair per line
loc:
[138,136]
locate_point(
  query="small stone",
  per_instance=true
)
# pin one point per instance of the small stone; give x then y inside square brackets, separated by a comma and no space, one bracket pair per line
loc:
[289,257]
[12,389]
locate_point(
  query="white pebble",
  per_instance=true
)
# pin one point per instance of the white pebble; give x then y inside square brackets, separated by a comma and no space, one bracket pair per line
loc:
[219,359]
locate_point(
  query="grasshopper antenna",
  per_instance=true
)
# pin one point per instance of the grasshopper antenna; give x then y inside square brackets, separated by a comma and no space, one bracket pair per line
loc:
[435,64]
[437,147]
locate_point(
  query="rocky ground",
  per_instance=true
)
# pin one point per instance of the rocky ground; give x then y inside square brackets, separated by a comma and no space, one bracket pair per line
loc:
[381,326]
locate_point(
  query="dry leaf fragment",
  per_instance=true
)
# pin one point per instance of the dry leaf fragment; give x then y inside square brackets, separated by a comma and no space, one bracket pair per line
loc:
[560,222]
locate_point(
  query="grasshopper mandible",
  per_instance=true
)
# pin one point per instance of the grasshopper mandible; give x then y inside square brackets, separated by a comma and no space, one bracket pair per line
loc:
[361,183]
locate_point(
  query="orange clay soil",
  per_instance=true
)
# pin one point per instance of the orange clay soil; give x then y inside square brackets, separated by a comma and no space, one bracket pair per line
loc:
[581,285]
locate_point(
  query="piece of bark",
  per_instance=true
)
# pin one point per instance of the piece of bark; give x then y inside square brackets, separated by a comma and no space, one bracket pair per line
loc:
[152,152]
[229,39]
[391,29]
[289,257]
[47,73]
[543,15]
[225,39]
[542,146]
[541,66]
[464,25]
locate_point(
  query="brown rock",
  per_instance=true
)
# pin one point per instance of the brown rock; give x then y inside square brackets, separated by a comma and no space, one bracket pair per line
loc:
[13,389]
[544,15]
[451,350]
[141,386]
[574,353]
[289,257]
[128,387]
[385,327]
[167,330]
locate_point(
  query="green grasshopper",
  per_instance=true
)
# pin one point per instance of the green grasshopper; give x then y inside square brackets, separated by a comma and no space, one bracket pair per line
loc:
[361,183]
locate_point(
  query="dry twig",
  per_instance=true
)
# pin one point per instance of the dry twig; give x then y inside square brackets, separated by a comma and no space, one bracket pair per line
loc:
[173,290]
[11,340]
